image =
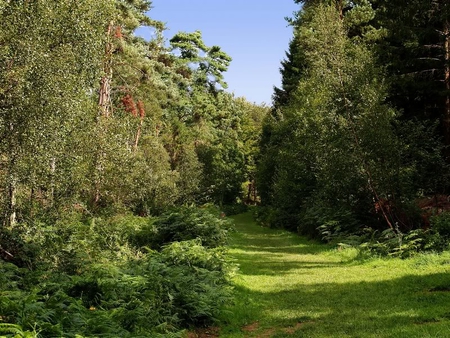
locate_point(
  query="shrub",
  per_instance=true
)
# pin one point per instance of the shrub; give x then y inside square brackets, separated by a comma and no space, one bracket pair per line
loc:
[441,224]
[16,331]
[395,243]
[198,279]
[271,217]
[189,223]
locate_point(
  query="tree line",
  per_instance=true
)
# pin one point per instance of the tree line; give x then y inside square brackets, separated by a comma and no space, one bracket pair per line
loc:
[92,115]
[357,140]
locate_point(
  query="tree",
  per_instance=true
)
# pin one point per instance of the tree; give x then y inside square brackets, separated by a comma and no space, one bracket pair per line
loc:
[416,50]
[333,151]
[292,69]
[209,63]
[47,76]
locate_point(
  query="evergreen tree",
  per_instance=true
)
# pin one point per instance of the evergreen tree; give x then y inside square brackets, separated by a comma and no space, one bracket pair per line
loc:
[416,51]
[292,69]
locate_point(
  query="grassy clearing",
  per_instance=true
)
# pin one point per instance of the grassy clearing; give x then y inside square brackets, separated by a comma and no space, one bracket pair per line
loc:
[290,287]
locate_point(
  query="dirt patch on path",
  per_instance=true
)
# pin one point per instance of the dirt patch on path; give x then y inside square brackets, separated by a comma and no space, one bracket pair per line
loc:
[293,329]
[251,327]
[270,332]
[255,327]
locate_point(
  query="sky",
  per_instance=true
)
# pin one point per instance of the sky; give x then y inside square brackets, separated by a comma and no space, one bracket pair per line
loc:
[253,32]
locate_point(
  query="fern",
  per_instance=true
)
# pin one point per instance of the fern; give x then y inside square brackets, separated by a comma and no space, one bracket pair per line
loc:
[15,331]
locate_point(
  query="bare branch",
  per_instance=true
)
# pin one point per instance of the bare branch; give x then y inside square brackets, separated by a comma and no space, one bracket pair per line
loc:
[429,59]
[6,252]
[433,46]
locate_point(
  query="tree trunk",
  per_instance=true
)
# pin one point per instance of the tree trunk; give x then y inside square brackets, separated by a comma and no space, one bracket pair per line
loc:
[104,103]
[446,118]
[104,100]
[340,8]
[12,217]
[249,193]
[104,96]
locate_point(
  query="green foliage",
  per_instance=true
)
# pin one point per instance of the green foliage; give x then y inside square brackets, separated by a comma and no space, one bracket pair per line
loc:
[15,331]
[47,75]
[334,224]
[190,223]
[413,52]
[234,209]
[404,245]
[197,281]
[95,122]
[158,131]
[441,224]
[140,146]
[89,279]
[210,62]
[332,150]
[223,172]
[424,169]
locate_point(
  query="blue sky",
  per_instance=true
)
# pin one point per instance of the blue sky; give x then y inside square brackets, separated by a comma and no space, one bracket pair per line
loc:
[253,32]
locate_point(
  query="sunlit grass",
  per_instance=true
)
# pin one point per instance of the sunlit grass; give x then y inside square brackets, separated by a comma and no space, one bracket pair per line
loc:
[288,286]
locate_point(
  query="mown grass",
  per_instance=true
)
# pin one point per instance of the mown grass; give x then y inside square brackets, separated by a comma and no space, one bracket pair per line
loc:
[288,286]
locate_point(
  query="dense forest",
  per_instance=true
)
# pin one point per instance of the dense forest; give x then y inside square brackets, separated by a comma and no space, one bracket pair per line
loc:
[120,157]
[355,148]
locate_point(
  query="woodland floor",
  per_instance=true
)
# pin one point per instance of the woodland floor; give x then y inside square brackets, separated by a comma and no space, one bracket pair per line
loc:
[287,286]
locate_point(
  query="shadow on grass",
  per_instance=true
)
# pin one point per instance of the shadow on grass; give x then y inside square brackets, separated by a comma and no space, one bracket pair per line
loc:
[266,265]
[403,307]
[408,306]
[252,237]
[293,249]
[264,251]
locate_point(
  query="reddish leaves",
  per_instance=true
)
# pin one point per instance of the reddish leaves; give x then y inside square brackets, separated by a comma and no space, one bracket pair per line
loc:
[130,106]
[141,109]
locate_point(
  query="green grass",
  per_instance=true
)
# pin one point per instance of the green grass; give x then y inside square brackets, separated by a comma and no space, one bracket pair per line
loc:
[288,286]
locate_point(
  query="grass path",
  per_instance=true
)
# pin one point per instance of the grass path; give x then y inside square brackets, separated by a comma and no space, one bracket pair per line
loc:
[290,287]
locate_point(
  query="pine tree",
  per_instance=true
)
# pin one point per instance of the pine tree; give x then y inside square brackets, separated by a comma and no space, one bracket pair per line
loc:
[416,50]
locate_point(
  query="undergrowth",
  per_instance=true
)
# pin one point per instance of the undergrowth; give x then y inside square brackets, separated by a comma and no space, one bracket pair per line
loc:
[123,276]
[339,228]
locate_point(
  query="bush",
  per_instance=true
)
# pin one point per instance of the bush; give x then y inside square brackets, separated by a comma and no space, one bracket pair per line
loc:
[441,224]
[16,331]
[198,281]
[394,243]
[189,223]
[275,218]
